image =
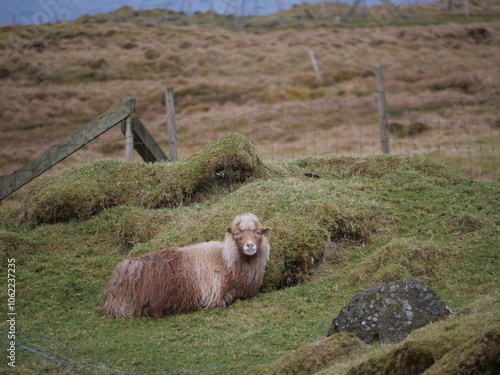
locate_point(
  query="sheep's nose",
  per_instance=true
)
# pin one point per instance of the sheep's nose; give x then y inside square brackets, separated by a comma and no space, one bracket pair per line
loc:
[250,248]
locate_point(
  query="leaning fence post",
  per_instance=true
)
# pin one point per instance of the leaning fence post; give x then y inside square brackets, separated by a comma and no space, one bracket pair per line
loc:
[382,110]
[129,140]
[314,63]
[172,138]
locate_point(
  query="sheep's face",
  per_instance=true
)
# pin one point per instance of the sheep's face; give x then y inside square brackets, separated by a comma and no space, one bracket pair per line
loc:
[247,236]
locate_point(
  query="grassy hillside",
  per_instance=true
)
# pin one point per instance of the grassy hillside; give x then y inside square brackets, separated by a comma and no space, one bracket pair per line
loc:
[363,222]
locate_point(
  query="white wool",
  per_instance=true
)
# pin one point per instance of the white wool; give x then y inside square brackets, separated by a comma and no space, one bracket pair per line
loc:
[230,251]
[247,221]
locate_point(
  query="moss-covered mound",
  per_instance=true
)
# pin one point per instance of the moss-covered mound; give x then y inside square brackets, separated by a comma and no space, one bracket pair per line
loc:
[81,192]
[227,161]
[85,190]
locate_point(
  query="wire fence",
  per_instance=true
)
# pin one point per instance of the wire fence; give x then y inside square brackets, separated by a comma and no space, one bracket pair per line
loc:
[309,129]
[461,132]
[40,352]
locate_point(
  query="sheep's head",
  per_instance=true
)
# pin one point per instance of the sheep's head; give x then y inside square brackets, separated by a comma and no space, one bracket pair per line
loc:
[247,233]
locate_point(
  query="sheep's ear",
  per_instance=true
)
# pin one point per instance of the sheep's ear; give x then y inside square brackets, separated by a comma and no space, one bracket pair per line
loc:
[229,230]
[265,230]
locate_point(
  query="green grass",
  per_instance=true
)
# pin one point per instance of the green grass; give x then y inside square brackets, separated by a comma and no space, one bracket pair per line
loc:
[365,221]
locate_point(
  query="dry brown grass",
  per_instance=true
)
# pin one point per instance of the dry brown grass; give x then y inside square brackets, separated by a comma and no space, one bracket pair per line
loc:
[55,78]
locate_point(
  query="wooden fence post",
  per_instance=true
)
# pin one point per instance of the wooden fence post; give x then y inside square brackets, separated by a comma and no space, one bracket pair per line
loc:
[172,138]
[314,63]
[280,11]
[143,141]
[324,14]
[382,110]
[129,140]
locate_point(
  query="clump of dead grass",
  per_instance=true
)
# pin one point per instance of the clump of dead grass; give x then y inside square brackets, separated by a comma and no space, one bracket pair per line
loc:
[318,355]
[407,130]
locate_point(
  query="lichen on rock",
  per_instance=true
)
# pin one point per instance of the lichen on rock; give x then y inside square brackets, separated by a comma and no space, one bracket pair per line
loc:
[390,312]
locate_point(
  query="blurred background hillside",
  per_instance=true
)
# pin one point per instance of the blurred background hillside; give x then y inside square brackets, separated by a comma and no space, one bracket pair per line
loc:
[30,11]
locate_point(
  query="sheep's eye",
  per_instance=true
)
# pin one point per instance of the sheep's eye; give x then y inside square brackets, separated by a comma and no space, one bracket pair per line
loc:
[236,233]
[258,232]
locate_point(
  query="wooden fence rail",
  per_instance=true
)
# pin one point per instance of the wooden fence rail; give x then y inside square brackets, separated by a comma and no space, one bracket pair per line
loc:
[59,152]
[143,143]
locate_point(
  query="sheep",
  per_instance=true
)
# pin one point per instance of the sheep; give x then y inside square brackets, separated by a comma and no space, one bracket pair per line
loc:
[201,276]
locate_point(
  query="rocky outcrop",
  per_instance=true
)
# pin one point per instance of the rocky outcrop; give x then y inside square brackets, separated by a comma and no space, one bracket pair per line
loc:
[389,313]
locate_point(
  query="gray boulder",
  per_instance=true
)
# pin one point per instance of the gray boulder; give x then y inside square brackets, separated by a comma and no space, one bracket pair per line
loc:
[389,313]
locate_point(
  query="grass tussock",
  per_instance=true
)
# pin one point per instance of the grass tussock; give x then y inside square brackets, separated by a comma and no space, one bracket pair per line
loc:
[136,225]
[85,190]
[321,354]
[401,258]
